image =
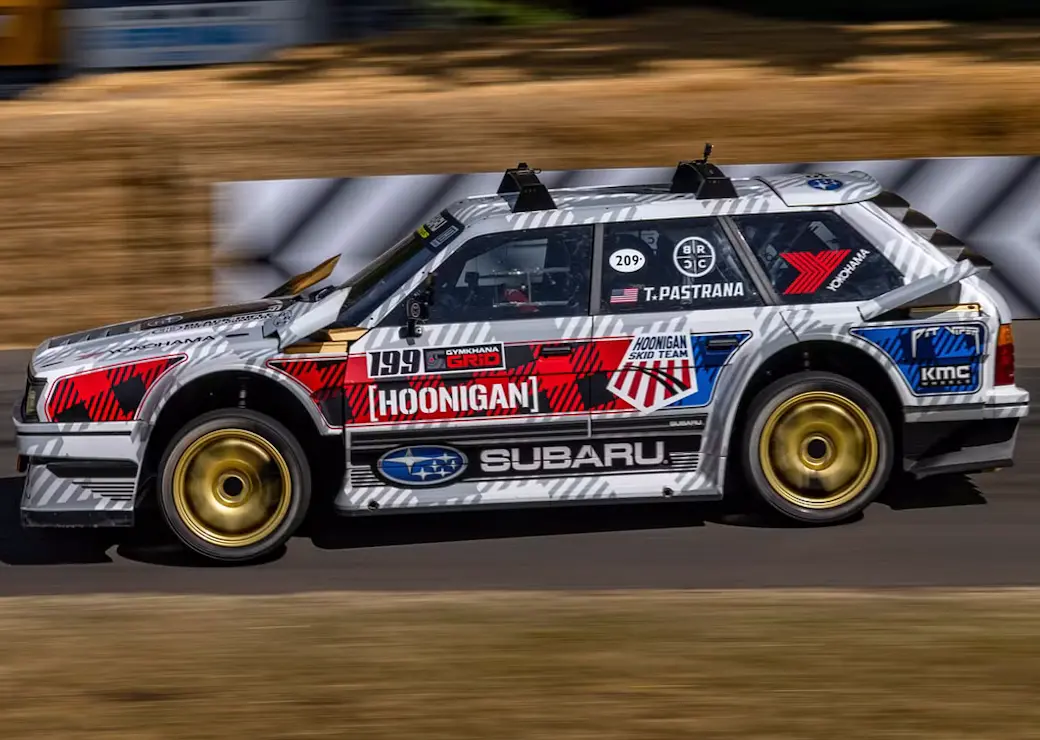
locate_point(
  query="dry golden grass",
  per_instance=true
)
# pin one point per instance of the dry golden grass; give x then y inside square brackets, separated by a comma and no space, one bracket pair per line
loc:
[648,665]
[106,181]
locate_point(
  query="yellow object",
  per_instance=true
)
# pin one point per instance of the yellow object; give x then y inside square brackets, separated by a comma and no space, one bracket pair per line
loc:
[232,488]
[819,450]
[30,33]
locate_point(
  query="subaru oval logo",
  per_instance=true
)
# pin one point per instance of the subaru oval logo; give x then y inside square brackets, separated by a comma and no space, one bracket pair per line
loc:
[825,183]
[422,465]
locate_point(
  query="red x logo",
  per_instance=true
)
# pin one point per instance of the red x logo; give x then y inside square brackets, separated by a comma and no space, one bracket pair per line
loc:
[813,269]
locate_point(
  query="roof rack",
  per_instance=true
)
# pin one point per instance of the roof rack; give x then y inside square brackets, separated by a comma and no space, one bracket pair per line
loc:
[532,195]
[704,180]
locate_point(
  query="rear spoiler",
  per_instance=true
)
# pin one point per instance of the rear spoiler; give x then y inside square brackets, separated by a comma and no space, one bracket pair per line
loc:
[924,291]
[932,289]
[900,209]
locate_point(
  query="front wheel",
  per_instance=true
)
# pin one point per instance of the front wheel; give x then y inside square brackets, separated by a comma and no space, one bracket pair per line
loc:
[235,485]
[817,448]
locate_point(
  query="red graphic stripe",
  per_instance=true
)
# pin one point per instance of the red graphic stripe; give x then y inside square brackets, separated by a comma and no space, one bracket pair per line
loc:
[106,394]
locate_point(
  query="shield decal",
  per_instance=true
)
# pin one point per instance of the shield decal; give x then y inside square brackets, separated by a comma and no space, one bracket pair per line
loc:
[657,370]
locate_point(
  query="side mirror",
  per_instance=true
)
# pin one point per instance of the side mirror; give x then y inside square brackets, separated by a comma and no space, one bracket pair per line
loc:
[417,309]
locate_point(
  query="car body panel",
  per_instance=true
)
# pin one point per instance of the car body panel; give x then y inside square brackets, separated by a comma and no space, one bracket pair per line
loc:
[591,406]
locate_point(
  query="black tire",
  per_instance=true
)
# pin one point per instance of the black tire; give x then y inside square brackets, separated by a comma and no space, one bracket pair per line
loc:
[805,410]
[287,471]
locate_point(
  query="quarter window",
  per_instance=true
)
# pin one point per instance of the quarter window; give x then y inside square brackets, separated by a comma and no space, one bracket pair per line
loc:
[540,273]
[673,265]
[817,257]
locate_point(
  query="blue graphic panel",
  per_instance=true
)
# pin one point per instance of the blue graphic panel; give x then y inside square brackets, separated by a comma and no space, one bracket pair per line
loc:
[711,352]
[934,359]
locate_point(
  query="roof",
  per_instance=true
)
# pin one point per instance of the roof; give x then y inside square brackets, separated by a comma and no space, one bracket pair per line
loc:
[763,193]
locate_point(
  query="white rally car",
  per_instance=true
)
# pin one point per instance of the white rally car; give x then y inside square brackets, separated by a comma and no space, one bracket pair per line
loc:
[799,336]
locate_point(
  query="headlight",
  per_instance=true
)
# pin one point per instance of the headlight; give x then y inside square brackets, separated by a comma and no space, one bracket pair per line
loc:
[31,401]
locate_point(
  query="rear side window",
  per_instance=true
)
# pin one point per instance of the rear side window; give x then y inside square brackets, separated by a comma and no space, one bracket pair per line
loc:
[683,264]
[817,257]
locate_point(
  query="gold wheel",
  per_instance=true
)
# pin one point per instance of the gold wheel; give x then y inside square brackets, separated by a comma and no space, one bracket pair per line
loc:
[818,450]
[232,488]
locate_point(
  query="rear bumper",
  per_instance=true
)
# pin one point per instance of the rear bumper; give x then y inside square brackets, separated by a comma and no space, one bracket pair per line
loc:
[944,447]
[76,476]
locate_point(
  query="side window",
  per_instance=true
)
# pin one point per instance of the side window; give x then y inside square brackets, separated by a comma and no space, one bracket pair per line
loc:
[674,265]
[817,257]
[538,273]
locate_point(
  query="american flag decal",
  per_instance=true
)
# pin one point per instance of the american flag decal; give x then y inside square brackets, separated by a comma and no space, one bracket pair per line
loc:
[624,295]
[658,370]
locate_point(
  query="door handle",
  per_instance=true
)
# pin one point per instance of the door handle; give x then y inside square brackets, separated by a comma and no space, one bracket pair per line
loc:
[557,350]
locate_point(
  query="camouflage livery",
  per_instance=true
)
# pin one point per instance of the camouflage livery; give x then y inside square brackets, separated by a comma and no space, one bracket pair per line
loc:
[626,397]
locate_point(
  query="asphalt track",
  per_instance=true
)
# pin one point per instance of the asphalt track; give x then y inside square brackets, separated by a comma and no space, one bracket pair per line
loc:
[951,531]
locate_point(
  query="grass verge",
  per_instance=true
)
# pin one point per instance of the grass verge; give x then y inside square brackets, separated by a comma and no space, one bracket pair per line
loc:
[648,665]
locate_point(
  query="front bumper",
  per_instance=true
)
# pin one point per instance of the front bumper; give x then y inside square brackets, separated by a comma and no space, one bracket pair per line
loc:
[78,475]
[966,439]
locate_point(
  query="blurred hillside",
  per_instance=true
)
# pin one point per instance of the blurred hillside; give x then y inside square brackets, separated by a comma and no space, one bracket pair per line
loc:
[107,179]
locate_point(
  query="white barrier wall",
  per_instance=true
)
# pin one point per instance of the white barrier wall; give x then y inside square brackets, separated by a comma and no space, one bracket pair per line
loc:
[270,230]
[132,36]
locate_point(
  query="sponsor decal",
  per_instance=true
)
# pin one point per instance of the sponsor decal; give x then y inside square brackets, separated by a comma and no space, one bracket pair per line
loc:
[627,260]
[164,321]
[945,375]
[624,295]
[211,323]
[933,359]
[931,332]
[422,465]
[813,269]
[439,230]
[694,257]
[658,369]
[164,344]
[490,396]
[402,363]
[846,272]
[480,357]
[214,315]
[687,293]
[698,422]
[822,182]
[565,458]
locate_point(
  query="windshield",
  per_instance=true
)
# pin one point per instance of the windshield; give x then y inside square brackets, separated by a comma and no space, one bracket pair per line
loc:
[387,273]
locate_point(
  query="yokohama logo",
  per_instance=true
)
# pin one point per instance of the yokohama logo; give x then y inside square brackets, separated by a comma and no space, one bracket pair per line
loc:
[813,269]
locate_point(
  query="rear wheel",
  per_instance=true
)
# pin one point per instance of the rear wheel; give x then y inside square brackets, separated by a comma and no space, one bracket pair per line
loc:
[817,448]
[234,485]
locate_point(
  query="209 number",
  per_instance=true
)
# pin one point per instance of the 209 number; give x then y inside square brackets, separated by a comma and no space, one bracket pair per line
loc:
[394,362]
[627,260]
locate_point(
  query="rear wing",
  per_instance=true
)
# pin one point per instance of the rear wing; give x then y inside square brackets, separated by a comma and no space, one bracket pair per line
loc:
[920,291]
[900,209]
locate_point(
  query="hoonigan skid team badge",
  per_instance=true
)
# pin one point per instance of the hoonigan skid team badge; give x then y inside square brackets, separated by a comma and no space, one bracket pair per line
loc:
[657,370]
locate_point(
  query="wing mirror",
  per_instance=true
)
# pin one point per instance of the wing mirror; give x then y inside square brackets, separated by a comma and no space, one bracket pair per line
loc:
[417,309]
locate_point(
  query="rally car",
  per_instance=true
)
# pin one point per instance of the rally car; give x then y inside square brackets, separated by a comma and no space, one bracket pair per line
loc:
[798,337]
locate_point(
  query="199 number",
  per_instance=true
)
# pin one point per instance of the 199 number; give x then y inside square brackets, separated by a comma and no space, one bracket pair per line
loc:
[394,362]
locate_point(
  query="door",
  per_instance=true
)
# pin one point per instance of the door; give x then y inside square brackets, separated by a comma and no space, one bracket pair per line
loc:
[489,403]
[678,308]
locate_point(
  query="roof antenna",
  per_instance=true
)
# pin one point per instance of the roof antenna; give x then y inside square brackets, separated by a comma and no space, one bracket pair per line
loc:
[707,153]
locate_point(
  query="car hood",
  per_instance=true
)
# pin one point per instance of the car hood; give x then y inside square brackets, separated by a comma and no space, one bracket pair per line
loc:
[157,327]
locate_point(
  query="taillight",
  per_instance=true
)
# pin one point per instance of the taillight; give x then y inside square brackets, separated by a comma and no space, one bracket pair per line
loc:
[1005,374]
